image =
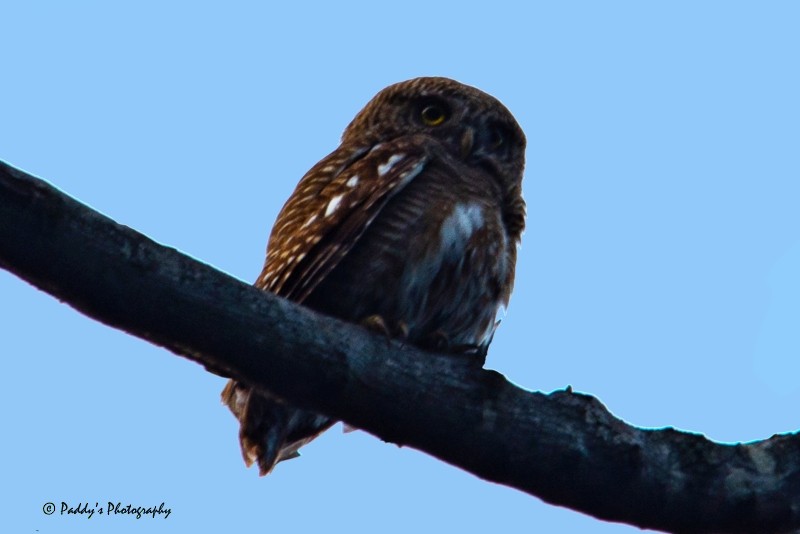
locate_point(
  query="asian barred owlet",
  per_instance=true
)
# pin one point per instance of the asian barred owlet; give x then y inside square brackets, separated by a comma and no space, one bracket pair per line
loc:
[411,227]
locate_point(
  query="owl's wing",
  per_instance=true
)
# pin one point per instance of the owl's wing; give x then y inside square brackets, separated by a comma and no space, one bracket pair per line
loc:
[329,211]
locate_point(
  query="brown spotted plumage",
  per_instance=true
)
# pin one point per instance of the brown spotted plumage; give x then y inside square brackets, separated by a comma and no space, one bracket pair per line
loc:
[411,225]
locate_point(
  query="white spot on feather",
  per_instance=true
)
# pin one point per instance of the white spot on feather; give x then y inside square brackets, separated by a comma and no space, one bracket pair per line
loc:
[501,313]
[458,227]
[239,399]
[352,182]
[309,221]
[386,167]
[332,205]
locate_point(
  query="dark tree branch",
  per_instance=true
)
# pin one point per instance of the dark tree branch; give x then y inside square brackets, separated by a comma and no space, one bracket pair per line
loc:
[564,447]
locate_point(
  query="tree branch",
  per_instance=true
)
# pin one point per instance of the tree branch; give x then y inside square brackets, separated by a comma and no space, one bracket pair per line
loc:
[564,448]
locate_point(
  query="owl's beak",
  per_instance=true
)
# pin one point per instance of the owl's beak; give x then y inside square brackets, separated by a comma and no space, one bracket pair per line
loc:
[467,142]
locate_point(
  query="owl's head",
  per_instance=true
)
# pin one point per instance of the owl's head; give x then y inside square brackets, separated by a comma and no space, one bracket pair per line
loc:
[472,125]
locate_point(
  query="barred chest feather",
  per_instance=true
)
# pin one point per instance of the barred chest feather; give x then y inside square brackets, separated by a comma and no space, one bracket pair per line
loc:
[431,262]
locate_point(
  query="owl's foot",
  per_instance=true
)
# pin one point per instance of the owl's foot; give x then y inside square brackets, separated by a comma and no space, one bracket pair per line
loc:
[439,341]
[378,324]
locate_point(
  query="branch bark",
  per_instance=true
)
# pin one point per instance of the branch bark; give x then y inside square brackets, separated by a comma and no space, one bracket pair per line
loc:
[563,447]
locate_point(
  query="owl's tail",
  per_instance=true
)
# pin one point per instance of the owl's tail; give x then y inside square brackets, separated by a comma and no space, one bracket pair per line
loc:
[270,430]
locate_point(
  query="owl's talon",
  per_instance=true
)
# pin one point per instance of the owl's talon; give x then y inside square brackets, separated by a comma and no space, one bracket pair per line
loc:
[475,353]
[401,331]
[438,341]
[469,349]
[378,324]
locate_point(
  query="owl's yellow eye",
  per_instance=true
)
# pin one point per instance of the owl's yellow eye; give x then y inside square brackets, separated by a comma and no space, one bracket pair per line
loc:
[433,115]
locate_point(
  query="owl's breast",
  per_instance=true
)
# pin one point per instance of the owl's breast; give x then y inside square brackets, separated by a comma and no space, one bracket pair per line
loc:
[435,259]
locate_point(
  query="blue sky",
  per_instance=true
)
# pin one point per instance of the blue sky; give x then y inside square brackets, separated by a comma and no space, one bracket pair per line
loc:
[658,271]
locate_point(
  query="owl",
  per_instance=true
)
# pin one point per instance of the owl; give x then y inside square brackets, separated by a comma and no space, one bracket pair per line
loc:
[410,227]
